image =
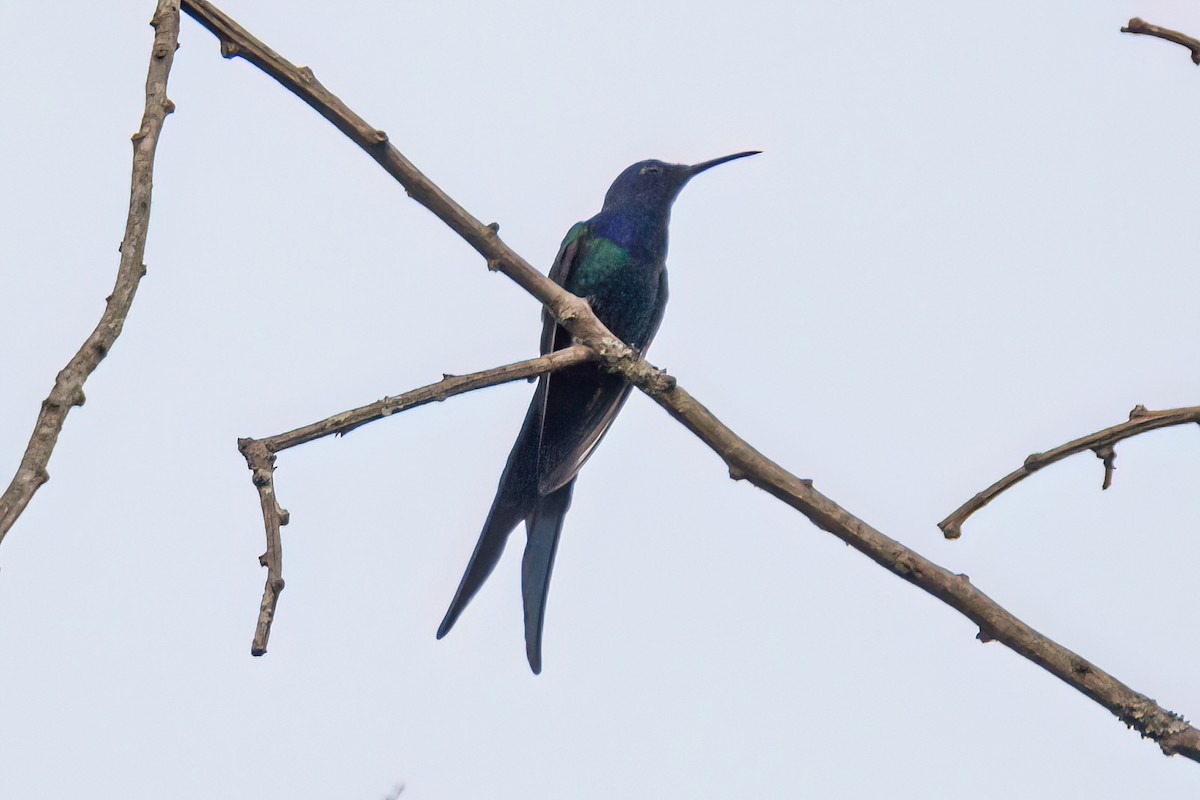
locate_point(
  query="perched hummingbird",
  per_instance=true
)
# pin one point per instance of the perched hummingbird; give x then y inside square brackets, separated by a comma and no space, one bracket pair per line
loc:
[617,261]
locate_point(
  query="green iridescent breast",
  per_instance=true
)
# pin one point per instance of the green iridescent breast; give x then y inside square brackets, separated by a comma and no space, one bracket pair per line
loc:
[600,262]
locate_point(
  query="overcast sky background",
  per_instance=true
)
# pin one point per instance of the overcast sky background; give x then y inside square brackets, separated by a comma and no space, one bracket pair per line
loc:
[972,236]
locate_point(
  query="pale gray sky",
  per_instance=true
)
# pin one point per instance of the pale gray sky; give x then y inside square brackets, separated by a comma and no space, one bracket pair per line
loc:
[971,236]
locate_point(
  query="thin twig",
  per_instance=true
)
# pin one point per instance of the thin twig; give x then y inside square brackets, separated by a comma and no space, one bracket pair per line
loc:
[1169,730]
[260,454]
[1101,442]
[1139,25]
[68,385]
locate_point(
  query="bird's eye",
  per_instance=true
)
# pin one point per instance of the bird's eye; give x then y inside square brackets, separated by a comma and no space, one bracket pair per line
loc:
[650,169]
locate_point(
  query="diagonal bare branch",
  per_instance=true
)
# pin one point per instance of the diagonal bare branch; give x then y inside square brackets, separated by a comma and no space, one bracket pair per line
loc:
[1101,443]
[1169,730]
[1139,25]
[571,311]
[260,454]
[68,384]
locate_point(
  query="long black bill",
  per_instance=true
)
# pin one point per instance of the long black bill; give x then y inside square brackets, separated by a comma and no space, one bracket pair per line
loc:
[696,169]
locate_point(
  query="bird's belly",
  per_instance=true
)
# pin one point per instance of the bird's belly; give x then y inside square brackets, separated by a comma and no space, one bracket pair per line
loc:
[625,306]
[621,284]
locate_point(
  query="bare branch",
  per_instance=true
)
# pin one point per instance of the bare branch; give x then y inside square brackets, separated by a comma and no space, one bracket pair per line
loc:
[1101,442]
[260,454]
[1169,730]
[261,462]
[68,385]
[1139,25]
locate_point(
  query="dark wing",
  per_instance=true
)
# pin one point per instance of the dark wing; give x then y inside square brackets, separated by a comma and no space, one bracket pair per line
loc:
[581,404]
[560,272]
[517,497]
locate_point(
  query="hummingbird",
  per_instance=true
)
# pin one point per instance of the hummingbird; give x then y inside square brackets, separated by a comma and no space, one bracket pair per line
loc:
[616,261]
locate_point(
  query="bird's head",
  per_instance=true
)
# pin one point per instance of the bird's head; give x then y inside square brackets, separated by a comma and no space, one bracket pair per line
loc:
[656,184]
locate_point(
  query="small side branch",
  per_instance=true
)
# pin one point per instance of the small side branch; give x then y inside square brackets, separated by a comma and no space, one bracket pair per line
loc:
[1101,443]
[261,462]
[260,454]
[1139,25]
[68,385]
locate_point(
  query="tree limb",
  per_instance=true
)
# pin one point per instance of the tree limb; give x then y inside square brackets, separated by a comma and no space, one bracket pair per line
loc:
[573,312]
[1101,443]
[260,454]
[1169,730]
[1139,25]
[68,384]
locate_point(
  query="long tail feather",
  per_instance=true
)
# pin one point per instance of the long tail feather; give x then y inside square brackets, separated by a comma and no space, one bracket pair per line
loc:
[505,514]
[515,500]
[543,526]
